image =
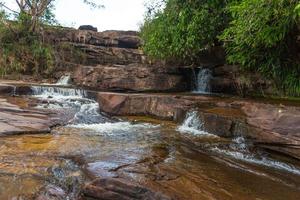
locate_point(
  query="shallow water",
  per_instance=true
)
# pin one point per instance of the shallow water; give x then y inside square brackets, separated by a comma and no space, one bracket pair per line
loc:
[183,162]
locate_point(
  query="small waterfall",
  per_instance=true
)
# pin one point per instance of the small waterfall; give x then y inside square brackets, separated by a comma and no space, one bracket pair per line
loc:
[203,81]
[193,125]
[86,111]
[64,80]
[57,92]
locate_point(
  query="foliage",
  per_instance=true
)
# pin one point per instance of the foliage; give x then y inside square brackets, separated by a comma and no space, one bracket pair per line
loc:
[261,37]
[22,51]
[183,29]
[258,35]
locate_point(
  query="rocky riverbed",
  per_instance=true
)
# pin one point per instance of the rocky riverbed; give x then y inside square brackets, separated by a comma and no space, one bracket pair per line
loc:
[62,143]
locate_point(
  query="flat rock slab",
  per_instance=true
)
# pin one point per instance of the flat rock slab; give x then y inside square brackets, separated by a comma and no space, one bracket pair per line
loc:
[16,120]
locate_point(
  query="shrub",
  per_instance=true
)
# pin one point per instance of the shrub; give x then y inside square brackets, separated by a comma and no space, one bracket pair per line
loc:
[261,37]
[23,51]
[183,29]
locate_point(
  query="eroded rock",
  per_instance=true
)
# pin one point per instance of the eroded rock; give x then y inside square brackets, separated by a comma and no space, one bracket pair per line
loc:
[132,77]
[119,189]
[16,120]
[273,126]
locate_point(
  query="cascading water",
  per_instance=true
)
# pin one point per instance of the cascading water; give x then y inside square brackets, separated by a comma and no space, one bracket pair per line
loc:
[86,110]
[203,81]
[64,80]
[192,124]
[239,149]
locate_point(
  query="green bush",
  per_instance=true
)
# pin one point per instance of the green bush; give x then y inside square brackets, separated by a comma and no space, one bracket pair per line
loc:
[258,35]
[261,37]
[23,51]
[183,29]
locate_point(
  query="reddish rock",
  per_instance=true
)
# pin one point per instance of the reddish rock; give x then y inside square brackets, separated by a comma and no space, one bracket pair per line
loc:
[95,55]
[272,126]
[16,120]
[130,77]
[119,189]
[121,39]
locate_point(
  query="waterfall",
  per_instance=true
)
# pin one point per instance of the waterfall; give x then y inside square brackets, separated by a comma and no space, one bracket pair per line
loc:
[203,80]
[57,92]
[192,124]
[64,80]
[86,110]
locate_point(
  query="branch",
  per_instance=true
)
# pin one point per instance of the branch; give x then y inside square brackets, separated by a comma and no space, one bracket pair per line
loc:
[44,5]
[3,5]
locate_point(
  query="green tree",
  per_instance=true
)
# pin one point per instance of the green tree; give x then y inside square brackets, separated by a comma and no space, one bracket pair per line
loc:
[262,37]
[183,28]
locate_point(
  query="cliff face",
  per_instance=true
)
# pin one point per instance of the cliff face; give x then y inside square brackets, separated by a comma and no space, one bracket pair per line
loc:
[113,60]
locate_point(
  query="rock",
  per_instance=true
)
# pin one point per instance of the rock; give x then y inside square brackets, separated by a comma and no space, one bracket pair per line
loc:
[16,120]
[6,89]
[121,39]
[96,55]
[88,28]
[119,189]
[160,106]
[51,192]
[132,77]
[271,126]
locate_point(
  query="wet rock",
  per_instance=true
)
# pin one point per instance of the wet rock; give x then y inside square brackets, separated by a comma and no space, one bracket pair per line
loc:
[51,192]
[16,120]
[273,126]
[129,77]
[161,106]
[119,189]
[6,89]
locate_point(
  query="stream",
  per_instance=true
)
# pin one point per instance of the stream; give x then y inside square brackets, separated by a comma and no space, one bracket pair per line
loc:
[181,161]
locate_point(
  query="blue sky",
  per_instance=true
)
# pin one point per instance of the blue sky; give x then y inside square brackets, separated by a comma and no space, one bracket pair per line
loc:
[117,14]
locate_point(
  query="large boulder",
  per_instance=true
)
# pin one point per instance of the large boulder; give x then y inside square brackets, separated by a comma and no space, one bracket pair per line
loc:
[129,78]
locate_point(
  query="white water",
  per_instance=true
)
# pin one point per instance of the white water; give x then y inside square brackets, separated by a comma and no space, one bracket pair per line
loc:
[86,110]
[112,128]
[239,150]
[193,125]
[64,80]
[57,92]
[203,81]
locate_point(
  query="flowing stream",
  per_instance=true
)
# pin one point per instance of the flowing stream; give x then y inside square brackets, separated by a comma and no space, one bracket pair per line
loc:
[184,162]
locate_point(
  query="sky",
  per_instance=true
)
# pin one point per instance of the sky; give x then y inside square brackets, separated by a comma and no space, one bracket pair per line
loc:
[117,14]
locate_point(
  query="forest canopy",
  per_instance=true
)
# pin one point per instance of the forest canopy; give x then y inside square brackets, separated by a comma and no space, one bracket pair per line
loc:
[258,35]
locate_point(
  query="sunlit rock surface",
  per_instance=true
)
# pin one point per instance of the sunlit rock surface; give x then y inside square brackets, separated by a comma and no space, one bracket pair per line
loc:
[17,120]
